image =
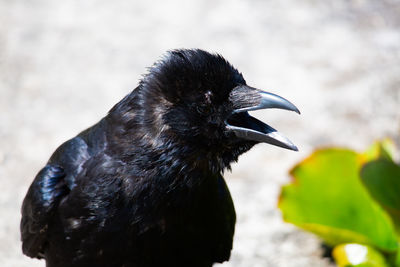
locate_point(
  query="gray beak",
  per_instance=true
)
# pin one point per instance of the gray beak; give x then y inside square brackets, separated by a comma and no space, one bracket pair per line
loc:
[244,99]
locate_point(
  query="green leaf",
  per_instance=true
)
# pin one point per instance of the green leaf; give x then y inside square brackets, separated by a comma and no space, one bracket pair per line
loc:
[382,179]
[346,255]
[380,149]
[327,198]
[396,258]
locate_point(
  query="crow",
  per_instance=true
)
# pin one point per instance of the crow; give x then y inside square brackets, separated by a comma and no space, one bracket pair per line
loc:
[143,187]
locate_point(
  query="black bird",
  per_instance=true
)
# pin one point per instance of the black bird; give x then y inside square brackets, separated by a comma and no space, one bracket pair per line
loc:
[143,187]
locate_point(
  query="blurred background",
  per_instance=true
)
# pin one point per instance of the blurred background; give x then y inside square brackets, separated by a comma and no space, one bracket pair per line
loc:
[64,64]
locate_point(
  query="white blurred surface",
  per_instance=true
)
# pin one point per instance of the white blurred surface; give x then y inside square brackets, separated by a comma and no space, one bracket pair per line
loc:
[63,64]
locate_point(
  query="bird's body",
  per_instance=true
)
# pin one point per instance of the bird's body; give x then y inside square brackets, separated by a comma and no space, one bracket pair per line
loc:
[144,186]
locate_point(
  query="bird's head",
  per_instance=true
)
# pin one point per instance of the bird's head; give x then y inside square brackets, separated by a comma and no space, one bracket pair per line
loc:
[201,99]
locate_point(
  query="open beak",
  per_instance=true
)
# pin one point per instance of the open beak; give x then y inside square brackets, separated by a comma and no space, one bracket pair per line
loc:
[245,98]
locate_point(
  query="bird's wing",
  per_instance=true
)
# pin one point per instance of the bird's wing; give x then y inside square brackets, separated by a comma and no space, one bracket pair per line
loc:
[50,185]
[38,207]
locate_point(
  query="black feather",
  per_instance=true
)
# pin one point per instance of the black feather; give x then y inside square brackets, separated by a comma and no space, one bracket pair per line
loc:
[144,186]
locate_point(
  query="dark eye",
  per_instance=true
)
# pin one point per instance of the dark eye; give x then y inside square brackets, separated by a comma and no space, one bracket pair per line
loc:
[203,109]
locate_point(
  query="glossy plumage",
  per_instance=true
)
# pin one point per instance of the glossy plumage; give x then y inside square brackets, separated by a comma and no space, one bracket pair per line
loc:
[143,187]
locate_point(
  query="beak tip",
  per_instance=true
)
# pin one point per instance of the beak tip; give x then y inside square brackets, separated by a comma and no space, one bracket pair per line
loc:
[291,146]
[297,111]
[292,107]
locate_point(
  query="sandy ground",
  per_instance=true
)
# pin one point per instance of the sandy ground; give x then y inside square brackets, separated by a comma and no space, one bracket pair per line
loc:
[63,64]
